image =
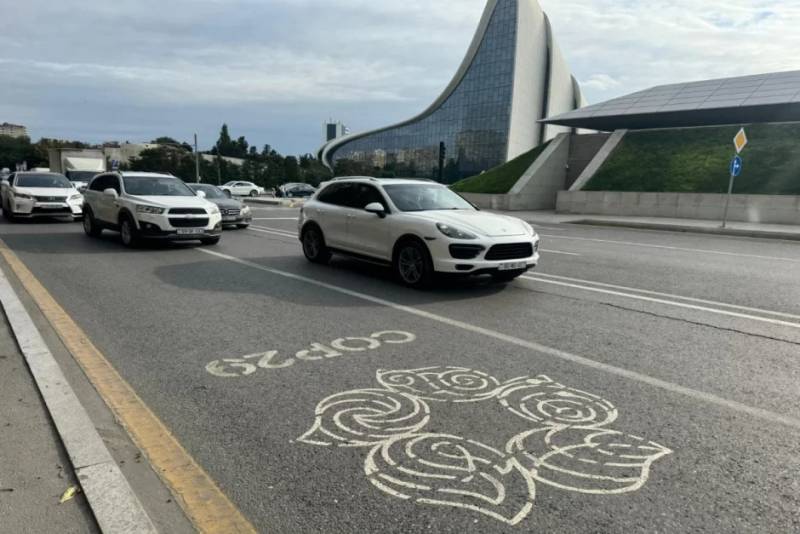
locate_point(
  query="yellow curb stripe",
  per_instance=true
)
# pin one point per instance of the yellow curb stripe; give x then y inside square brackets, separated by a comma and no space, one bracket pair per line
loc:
[201,499]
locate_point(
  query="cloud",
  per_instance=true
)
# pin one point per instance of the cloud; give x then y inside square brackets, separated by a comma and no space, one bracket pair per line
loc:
[276,69]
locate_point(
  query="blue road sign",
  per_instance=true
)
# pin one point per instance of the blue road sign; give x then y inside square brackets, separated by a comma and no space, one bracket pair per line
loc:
[736,166]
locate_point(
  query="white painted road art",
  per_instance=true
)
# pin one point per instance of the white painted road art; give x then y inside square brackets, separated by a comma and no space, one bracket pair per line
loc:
[271,360]
[565,444]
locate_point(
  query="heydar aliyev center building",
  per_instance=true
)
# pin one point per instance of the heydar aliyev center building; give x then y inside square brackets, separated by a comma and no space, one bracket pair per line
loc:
[512,76]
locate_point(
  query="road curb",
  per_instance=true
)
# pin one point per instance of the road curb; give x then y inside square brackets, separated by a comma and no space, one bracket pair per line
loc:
[734,232]
[111,498]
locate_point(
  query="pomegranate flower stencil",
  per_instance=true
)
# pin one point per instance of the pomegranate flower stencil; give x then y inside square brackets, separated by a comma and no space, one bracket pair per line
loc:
[564,441]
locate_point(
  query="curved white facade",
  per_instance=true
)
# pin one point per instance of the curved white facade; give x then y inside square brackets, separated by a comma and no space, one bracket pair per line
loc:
[512,76]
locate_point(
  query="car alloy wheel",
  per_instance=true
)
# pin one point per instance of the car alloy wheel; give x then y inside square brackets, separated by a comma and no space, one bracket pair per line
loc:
[411,265]
[314,246]
[253,193]
[126,232]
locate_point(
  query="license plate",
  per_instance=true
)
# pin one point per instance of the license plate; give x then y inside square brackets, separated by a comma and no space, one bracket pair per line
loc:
[190,231]
[229,218]
[49,206]
[516,266]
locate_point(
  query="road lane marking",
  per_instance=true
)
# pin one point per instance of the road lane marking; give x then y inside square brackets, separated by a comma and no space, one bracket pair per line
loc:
[113,502]
[667,247]
[710,398]
[201,499]
[670,295]
[275,219]
[281,234]
[560,252]
[663,301]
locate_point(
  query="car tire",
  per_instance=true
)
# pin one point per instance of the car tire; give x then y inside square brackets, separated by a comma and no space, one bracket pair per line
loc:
[90,226]
[253,193]
[506,277]
[314,245]
[210,241]
[127,232]
[412,264]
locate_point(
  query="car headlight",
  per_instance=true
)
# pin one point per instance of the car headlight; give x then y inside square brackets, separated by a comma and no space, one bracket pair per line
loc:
[151,210]
[454,233]
[23,196]
[76,197]
[213,210]
[245,210]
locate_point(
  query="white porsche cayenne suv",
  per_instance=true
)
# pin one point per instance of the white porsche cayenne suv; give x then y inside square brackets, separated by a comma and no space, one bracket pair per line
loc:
[418,227]
[149,206]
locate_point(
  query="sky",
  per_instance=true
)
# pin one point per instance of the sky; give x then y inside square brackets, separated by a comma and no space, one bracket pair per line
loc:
[276,70]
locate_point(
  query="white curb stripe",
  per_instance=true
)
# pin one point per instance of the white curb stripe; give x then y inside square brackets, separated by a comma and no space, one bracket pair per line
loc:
[114,505]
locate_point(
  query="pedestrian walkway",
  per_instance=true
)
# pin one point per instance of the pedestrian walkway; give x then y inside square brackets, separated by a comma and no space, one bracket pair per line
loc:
[740,229]
[34,468]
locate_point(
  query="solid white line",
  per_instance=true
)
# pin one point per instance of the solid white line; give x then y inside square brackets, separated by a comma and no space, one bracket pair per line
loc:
[282,234]
[663,301]
[113,502]
[556,353]
[275,219]
[670,295]
[560,252]
[680,249]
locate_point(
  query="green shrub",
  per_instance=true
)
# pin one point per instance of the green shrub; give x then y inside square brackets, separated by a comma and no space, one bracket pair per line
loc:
[697,160]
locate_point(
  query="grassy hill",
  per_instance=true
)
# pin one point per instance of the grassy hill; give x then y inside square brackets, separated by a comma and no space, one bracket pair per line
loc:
[501,179]
[697,160]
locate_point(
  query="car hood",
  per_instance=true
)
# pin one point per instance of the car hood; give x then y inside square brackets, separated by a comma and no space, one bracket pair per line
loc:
[46,191]
[173,202]
[227,203]
[480,222]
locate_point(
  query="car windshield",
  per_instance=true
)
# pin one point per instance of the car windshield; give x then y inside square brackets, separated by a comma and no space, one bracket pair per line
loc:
[156,186]
[210,191]
[425,197]
[81,176]
[55,181]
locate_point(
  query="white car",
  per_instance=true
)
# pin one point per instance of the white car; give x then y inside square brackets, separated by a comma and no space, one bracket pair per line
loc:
[243,189]
[40,194]
[149,206]
[418,227]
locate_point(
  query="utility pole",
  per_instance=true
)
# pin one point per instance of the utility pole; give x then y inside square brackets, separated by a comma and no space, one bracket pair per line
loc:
[196,161]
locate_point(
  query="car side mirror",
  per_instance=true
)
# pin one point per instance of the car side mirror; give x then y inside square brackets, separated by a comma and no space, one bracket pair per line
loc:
[376,208]
[83,188]
[201,194]
[111,193]
[228,193]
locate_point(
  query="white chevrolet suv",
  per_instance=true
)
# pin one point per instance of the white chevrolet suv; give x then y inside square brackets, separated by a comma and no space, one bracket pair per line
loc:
[149,206]
[418,227]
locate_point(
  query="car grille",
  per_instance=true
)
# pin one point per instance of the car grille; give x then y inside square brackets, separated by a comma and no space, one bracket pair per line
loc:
[51,199]
[187,211]
[465,252]
[229,212]
[511,251]
[189,223]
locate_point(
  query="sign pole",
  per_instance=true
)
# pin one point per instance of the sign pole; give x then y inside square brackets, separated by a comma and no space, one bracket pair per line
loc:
[728,199]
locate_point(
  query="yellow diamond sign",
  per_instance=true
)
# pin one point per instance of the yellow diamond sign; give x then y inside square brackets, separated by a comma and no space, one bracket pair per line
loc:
[740,141]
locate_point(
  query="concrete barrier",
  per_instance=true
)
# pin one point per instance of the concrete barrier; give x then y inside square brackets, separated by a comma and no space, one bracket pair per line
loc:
[538,187]
[768,209]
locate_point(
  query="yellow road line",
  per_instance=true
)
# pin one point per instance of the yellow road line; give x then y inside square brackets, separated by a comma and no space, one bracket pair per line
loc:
[201,499]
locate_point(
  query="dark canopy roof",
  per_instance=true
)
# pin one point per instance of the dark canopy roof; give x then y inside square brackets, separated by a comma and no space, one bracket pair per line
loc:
[762,98]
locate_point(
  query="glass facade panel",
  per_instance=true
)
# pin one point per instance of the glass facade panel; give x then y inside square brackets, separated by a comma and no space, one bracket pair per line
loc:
[472,125]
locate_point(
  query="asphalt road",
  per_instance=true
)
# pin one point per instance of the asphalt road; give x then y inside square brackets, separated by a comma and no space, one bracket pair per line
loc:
[637,381]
